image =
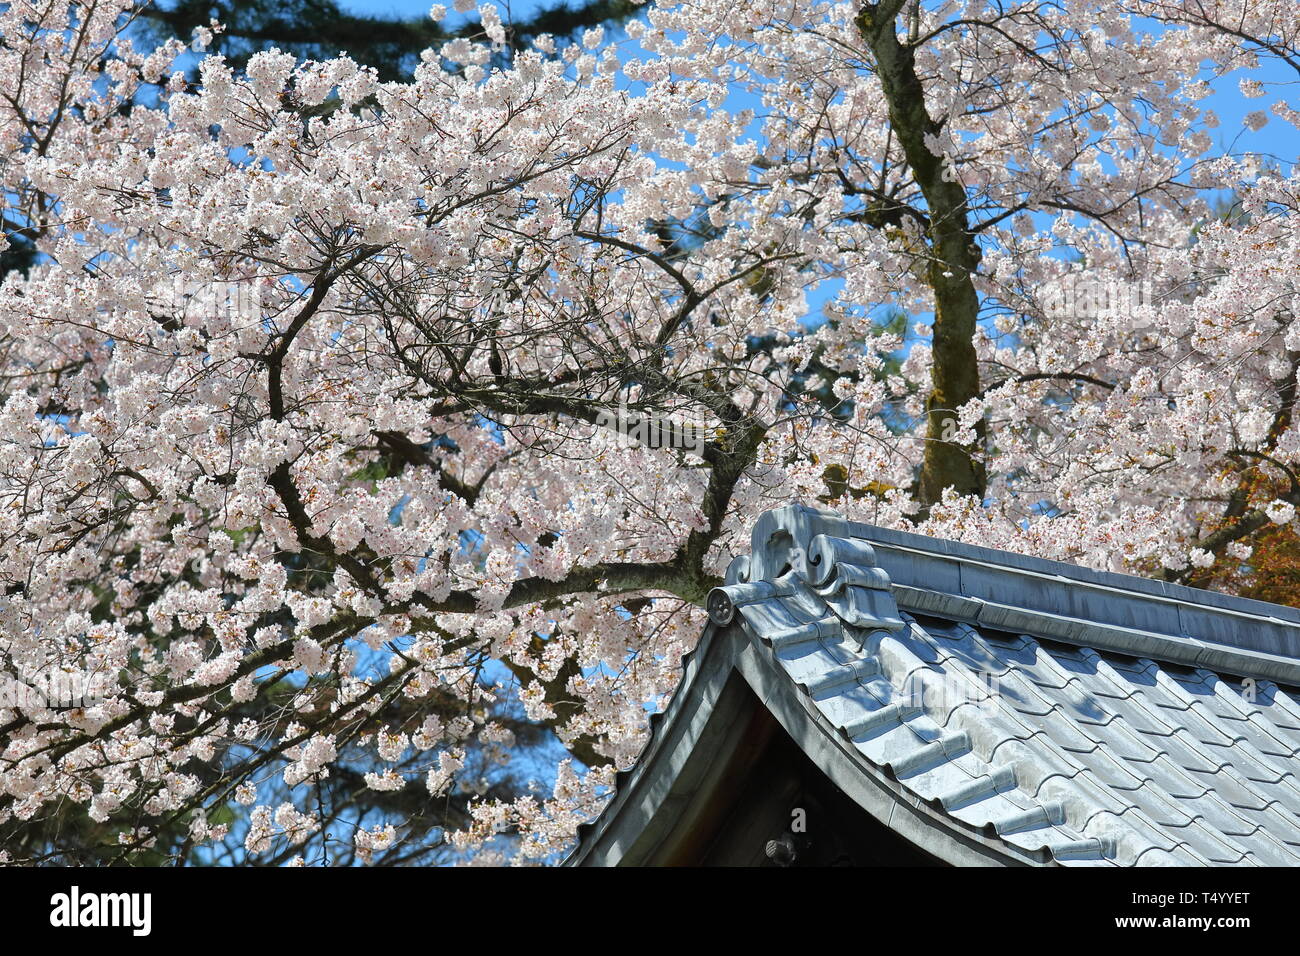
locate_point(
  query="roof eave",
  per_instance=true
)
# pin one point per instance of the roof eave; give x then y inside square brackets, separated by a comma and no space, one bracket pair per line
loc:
[643,813]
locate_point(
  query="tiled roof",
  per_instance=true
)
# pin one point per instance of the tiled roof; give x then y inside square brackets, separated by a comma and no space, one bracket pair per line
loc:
[1058,714]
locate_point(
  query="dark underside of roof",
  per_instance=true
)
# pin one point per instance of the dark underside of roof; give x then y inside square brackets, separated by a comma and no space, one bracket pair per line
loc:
[975,707]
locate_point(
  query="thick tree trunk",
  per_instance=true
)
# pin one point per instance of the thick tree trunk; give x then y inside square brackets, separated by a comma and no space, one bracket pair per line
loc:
[954,258]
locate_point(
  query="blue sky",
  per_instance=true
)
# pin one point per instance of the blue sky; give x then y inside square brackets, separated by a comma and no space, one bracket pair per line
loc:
[403,8]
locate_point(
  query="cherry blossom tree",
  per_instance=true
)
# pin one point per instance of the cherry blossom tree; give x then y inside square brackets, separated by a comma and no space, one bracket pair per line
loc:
[353,430]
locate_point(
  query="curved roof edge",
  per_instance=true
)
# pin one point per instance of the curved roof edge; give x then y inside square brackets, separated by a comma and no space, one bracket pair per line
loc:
[692,735]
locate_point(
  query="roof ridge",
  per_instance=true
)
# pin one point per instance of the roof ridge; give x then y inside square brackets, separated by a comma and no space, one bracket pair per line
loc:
[1003,589]
[1169,590]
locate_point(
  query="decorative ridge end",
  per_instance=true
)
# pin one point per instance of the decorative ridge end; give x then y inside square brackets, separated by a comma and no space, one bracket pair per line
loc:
[782,535]
[816,548]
